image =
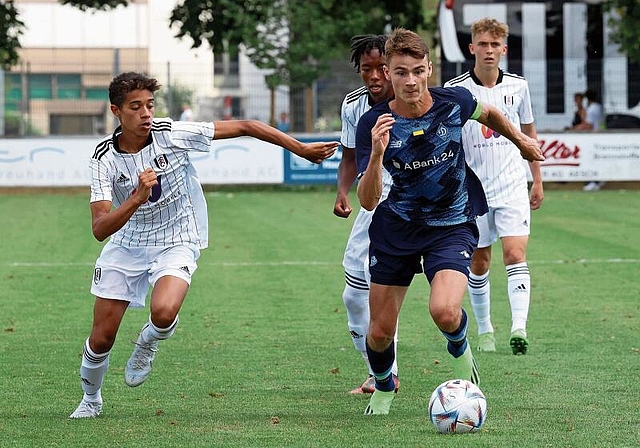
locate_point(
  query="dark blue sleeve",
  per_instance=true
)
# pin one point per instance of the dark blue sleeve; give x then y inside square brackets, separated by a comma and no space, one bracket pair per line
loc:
[466,100]
[363,141]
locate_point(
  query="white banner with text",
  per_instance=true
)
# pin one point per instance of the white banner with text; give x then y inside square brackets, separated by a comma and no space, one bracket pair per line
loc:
[63,162]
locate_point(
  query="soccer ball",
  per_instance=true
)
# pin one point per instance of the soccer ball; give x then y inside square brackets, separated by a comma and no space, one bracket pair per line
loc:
[457,406]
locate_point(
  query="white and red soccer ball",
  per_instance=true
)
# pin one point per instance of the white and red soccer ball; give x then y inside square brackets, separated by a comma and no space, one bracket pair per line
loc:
[457,406]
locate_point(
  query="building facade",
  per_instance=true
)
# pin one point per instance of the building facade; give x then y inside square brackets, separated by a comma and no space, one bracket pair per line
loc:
[68,57]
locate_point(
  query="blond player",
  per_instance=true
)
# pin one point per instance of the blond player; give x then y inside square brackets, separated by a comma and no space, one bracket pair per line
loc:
[503,175]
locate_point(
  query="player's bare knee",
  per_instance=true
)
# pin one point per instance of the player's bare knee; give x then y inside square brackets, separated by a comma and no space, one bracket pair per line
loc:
[164,316]
[381,335]
[446,319]
[101,342]
[513,257]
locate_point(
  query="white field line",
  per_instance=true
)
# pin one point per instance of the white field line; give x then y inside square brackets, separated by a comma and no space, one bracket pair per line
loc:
[315,263]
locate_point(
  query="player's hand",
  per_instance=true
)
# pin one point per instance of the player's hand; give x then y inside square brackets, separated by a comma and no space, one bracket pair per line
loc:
[380,134]
[530,150]
[318,151]
[342,207]
[536,196]
[147,179]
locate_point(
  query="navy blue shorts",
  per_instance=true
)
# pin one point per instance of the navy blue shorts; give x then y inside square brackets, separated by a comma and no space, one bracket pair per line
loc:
[398,247]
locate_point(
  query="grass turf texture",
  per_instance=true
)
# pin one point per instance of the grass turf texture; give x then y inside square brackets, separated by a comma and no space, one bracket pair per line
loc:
[262,356]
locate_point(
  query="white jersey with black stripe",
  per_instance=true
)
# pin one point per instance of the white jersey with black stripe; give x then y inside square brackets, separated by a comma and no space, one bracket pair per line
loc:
[176,212]
[354,105]
[494,158]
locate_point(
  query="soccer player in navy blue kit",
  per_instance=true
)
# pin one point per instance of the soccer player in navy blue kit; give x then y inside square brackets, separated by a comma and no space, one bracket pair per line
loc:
[429,214]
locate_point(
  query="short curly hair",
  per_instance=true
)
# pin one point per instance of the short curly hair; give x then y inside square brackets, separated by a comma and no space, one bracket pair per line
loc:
[125,83]
[490,25]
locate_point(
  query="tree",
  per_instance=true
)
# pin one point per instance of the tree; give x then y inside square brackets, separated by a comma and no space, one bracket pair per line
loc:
[624,24]
[169,101]
[10,30]
[100,5]
[294,39]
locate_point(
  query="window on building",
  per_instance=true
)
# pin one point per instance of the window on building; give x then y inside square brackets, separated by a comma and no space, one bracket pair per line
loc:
[226,70]
[75,124]
[69,87]
[40,87]
[13,91]
[226,64]
[218,63]
[97,93]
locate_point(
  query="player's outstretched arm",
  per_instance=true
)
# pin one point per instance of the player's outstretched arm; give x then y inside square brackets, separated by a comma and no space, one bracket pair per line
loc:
[314,152]
[493,118]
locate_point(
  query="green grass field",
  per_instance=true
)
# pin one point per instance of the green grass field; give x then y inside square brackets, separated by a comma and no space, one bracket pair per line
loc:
[262,356]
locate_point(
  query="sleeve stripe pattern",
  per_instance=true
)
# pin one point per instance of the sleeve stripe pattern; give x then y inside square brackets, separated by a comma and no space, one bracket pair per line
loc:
[102,148]
[356,95]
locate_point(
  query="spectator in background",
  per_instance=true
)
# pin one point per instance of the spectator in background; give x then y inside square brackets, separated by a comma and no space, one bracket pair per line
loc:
[594,114]
[580,112]
[187,113]
[593,121]
[283,122]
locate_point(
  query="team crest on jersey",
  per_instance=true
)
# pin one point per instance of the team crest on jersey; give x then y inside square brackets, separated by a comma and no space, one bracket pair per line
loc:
[161,162]
[97,275]
[442,132]
[508,100]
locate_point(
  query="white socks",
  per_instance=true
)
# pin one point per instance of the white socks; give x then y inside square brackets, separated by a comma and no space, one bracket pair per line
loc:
[480,297]
[92,371]
[150,332]
[519,290]
[356,300]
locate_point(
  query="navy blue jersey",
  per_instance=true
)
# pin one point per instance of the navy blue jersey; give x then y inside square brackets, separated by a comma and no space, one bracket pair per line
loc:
[432,184]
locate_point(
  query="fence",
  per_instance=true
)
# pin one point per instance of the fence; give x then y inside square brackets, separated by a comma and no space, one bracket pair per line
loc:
[71,100]
[55,100]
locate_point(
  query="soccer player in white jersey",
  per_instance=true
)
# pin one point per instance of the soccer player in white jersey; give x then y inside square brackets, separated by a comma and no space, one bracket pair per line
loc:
[503,176]
[367,56]
[146,196]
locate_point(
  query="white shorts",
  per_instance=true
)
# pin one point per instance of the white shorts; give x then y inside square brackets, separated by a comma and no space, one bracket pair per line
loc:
[356,253]
[126,273]
[511,219]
